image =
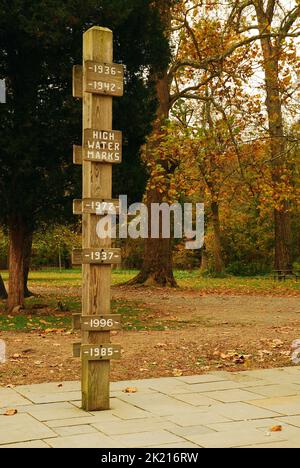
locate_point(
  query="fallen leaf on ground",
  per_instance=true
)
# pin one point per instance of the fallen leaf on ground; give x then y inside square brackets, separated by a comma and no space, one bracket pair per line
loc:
[130,390]
[16,356]
[276,429]
[10,412]
[177,373]
[277,344]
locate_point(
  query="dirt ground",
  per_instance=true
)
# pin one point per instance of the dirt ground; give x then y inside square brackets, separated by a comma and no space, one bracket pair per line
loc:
[197,333]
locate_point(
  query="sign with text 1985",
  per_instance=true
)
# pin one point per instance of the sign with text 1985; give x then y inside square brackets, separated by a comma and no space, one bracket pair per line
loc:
[100,352]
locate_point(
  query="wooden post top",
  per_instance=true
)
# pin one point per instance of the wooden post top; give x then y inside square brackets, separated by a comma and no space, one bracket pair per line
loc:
[98,28]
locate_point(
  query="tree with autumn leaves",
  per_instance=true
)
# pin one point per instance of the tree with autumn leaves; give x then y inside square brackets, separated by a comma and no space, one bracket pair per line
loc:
[209,41]
[225,130]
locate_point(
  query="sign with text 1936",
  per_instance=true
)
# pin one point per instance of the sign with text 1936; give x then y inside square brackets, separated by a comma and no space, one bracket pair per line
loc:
[103,146]
[104,78]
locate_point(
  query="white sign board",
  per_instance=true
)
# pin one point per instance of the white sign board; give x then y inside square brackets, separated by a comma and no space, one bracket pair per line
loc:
[2,92]
[2,352]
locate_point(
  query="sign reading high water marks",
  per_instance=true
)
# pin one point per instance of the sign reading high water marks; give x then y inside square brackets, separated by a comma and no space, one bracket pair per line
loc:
[103,146]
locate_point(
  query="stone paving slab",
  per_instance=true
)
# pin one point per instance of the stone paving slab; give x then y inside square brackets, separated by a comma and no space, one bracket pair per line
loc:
[276,390]
[132,427]
[195,417]
[27,445]
[287,406]
[208,378]
[215,410]
[180,445]
[148,439]
[10,398]
[280,376]
[196,399]
[244,411]
[22,428]
[53,411]
[274,445]
[96,440]
[102,417]
[234,439]
[74,430]
[233,396]
[69,391]
[158,404]
[292,420]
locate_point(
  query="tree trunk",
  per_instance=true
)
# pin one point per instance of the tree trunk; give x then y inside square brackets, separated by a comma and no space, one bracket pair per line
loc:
[204,260]
[157,266]
[17,240]
[218,256]
[27,259]
[282,217]
[157,269]
[3,293]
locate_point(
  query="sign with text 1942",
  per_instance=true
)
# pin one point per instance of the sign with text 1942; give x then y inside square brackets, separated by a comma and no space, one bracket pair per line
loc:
[104,78]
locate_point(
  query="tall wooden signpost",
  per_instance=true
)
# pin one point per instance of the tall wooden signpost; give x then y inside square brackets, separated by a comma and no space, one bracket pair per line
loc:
[97,82]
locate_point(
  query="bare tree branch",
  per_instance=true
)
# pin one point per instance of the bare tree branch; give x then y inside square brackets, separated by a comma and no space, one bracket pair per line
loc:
[219,58]
[270,10]
[185,93]
[289,20]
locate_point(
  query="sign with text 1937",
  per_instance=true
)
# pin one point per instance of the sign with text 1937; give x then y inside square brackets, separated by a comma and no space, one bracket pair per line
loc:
[96,257]
[104,78]
[103,146]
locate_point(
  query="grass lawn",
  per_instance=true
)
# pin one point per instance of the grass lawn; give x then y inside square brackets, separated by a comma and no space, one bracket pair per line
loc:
[206,324]
[185,279]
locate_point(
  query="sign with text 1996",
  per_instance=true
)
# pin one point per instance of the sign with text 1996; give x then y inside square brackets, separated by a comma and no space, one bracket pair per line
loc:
[102,323]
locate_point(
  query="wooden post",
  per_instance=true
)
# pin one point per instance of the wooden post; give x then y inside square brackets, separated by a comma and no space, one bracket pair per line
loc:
[97,183]
[96,82]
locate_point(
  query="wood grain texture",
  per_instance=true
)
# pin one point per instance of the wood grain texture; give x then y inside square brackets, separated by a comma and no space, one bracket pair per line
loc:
[97,183]
[77,155]
[77,81]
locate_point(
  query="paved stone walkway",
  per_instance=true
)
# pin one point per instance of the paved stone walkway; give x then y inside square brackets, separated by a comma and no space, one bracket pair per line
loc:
[215,410]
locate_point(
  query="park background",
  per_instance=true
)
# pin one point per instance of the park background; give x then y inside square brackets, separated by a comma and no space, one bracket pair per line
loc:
[210,114]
